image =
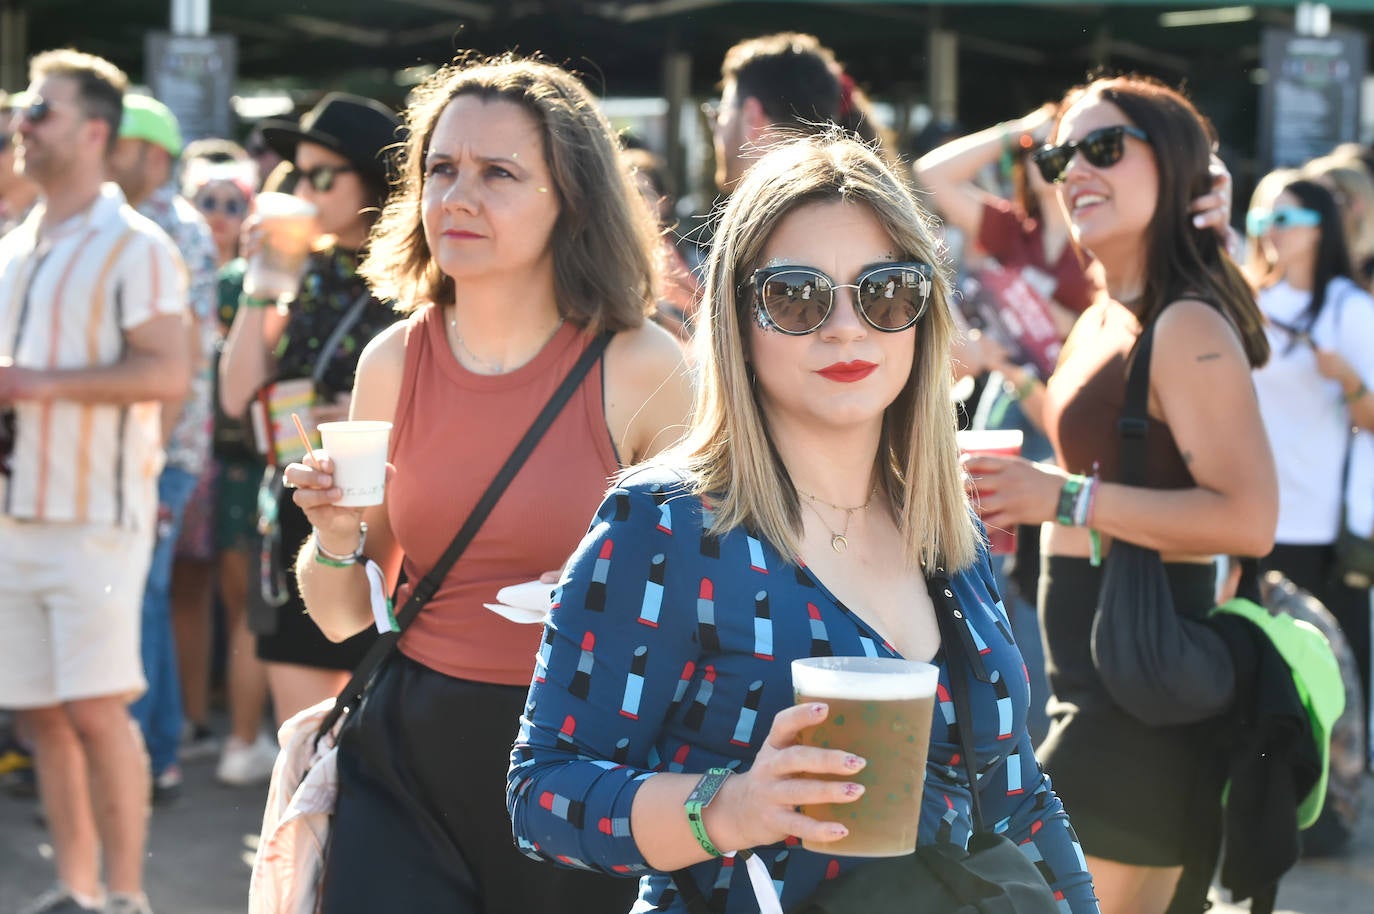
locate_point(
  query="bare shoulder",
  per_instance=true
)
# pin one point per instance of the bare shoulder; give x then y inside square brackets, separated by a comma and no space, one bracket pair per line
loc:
[648,391]
[1189,328]
[381,369]
[387,349]
[646,354]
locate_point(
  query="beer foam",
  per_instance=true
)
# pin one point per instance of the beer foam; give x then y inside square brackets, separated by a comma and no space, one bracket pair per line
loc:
[918,680]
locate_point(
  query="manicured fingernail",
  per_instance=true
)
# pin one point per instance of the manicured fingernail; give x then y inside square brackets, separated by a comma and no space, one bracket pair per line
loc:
[818,709]
[1199,222]
[839,831]
[853,790]
[326,480]
[853,762]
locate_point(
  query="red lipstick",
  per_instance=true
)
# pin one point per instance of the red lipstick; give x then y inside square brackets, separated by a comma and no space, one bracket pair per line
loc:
[461,234]
[848,372]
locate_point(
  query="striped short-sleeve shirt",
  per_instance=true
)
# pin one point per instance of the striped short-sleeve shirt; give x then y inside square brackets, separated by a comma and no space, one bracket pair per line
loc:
[67,299]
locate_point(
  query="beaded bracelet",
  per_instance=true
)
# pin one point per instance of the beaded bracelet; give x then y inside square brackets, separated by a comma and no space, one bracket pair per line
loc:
[253,301]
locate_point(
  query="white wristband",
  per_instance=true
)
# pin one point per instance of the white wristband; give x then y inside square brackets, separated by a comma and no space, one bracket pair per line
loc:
[383,613]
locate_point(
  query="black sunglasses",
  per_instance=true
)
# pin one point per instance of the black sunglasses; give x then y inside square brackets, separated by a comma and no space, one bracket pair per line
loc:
[321,177]
[1103,148]
[36,111]
[796,300]
[230,206]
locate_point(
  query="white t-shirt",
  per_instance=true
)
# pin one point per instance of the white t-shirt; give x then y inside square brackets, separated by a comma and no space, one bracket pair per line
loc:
[1304,413]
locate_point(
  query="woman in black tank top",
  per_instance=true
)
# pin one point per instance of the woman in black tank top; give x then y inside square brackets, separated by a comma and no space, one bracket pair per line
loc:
[1130,156]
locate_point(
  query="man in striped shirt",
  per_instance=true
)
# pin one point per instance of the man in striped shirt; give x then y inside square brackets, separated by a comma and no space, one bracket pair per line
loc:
[93,334]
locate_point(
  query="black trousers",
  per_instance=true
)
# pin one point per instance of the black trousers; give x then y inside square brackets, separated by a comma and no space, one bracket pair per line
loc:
[1313,569]
[421,823]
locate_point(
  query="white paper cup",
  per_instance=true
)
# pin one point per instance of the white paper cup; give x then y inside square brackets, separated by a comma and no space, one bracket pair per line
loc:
[288,230]
[358,449]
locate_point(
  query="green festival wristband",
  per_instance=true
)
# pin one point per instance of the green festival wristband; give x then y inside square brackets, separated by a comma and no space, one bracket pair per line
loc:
[697,801]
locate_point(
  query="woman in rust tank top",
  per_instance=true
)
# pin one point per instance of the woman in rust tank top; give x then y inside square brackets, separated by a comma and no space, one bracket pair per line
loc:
[514,238]
[1131,154]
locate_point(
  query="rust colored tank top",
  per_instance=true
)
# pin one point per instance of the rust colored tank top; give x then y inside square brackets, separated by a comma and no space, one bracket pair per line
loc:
[453,430]
[1084,396]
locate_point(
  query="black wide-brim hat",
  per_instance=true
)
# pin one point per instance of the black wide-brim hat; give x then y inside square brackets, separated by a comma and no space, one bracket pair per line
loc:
[365,132]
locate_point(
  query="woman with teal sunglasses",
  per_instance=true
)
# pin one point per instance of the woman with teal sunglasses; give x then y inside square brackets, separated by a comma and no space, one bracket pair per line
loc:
[1314,390]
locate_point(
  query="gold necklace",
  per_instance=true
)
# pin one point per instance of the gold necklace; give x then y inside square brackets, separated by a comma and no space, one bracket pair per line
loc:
[494,367]
[839,540]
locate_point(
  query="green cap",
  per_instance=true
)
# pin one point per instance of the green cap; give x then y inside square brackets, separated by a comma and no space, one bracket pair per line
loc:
[146,118]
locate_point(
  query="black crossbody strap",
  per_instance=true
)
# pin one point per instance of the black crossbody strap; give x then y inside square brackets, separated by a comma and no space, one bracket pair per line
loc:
[331,345]
[950,617]
[1134,423]
[424,591]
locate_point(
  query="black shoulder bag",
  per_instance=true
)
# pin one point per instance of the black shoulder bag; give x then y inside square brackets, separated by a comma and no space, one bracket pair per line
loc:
[993,876]
[424,591]
[1161,667]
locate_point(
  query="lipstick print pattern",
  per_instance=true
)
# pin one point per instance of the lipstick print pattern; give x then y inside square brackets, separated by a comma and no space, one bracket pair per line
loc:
[670,651]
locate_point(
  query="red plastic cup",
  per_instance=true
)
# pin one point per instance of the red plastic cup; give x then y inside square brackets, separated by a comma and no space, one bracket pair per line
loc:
[1000,443]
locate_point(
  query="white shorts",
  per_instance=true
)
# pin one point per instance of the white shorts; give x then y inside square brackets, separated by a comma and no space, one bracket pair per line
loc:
[71,602]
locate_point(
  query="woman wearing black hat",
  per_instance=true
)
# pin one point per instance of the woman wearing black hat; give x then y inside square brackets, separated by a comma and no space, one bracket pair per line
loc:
[340,150]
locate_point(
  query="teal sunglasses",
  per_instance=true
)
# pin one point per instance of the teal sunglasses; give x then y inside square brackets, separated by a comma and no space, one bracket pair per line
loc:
[1259,221]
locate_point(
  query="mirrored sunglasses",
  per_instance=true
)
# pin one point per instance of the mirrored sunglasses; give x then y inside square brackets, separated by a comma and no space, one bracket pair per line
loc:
[1103,148]
[232,206]
[321,177]
[796,300]
[1259,221]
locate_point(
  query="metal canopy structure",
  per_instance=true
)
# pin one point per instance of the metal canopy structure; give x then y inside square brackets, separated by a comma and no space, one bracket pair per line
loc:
[981,59]
[622,42]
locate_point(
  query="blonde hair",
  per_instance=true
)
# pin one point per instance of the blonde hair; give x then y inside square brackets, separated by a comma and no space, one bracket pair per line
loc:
[1355,197]
[729,454]
[604,237]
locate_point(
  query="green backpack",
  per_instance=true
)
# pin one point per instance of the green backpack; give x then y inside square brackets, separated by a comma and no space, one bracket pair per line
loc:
[1317,676]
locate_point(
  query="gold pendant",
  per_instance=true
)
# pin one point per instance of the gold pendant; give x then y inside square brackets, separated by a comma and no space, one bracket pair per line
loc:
[838,542]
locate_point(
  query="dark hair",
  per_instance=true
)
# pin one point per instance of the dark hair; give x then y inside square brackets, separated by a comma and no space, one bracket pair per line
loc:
[1181,260]
[793,76]
[640,160]
[215,150]
[1333,251]
[100,85]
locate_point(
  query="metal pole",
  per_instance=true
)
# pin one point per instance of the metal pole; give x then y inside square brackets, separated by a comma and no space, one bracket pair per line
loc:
[14,34]
[190,17]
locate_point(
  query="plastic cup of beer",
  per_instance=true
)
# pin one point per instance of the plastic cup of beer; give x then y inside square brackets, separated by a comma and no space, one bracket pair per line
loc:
[287,226]
[880,710]
[358,449]
[1001,443]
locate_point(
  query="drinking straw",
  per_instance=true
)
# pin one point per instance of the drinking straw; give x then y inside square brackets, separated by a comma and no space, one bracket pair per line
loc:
[305,439]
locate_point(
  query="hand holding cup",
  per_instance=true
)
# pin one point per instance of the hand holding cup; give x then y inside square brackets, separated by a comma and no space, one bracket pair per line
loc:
[760,806]
[317,495]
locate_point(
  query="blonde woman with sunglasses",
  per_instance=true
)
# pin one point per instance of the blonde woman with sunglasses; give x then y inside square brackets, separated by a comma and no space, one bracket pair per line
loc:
[1129,155]
[818,486]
